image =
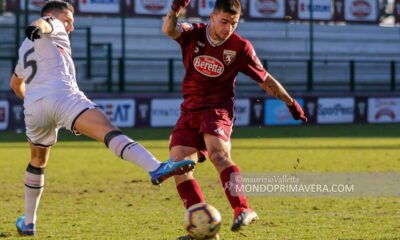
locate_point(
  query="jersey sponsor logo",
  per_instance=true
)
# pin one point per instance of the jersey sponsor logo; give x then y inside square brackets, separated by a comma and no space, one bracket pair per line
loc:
[268,7]
[229,56]
[208,66]
[361,8]
[154,5]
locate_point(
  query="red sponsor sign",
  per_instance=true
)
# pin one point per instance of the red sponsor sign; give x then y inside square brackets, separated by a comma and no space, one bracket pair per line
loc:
[361,8]
[208,66]
[154,5]
[267,6]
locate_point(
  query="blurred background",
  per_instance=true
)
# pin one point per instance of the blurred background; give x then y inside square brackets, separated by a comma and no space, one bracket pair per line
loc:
[339,58]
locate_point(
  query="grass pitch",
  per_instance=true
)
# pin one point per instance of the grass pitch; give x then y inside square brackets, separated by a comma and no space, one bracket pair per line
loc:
[91,194]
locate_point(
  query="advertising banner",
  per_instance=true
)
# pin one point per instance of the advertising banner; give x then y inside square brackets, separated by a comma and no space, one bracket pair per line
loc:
[99,6]
[277,113]
[142,112]
[152,7]
[310,109]
[292,9]
[165,112]
[205,7]
[338,14]
[267,9]
[33,5]
[257,112]
[335,110]
[396,10]
[121,112]
[361,10]
[242,112]
[361,110]
[383,110]
[322,9]
[4,114]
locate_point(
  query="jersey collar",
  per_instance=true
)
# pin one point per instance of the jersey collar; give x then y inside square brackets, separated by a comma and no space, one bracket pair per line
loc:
[210,41]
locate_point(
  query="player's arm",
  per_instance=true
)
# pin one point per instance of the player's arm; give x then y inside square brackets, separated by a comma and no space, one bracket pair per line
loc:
[274,88]
[38,28]
[169,27]
[18,86]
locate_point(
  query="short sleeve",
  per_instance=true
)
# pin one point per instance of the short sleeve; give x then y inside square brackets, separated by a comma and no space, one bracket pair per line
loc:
[252,66]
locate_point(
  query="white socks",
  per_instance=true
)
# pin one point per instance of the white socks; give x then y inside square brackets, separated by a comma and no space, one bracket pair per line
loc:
[34,184]
[128,149]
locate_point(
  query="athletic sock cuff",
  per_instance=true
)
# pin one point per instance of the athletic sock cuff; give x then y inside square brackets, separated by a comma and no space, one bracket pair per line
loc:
[35,170]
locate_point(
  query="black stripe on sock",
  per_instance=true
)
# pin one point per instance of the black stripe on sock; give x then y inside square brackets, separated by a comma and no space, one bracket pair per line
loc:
[123,149]
[26,185]
[110,135]
[35,170]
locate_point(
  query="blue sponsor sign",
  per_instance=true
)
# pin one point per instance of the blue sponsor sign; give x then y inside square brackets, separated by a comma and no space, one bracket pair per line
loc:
[277,113]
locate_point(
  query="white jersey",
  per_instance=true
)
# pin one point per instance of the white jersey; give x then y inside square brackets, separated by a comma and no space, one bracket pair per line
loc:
[46,64]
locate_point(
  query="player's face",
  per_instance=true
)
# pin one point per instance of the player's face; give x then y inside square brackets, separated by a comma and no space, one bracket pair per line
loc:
[67,18]
[223,24]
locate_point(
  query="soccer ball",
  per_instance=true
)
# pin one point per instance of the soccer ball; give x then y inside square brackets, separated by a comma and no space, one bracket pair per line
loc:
[202,221]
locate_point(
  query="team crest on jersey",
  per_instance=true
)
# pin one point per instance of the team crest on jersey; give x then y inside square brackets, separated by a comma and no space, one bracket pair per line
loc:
[229,56]
[208,66]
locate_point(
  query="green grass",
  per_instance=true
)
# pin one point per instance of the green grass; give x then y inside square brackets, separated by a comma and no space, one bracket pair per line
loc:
[90,194]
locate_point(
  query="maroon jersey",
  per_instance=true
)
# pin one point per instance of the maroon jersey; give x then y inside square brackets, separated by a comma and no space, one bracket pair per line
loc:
[211,70]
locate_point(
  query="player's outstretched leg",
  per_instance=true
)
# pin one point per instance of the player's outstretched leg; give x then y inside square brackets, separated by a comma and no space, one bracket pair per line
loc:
[95,124]
[130,150]
[25,230]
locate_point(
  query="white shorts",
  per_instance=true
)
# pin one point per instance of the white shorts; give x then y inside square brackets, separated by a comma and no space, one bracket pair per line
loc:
[44,117]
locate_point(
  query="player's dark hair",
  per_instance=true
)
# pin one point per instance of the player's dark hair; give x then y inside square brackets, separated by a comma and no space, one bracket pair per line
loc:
[228,6]
[56,6]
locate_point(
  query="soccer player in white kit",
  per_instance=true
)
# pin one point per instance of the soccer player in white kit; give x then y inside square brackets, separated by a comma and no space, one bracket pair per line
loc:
[45,79]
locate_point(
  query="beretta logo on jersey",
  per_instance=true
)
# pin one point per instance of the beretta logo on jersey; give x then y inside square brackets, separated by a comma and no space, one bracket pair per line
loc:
[208,66]
[229,56]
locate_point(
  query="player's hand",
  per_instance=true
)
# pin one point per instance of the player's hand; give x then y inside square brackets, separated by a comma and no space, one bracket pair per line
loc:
[297,112]
[178,5]
[33,32]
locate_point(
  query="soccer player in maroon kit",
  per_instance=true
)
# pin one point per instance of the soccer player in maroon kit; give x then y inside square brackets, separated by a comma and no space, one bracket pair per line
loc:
[213,54]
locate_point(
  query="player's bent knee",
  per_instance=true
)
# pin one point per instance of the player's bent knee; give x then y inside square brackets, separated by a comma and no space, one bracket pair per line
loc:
[220,159]
[38,162]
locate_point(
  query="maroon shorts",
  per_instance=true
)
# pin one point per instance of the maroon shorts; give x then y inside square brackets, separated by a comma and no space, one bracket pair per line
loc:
[191,126]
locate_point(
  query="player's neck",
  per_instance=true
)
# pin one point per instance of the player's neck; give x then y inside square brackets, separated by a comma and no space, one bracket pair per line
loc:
[212,36]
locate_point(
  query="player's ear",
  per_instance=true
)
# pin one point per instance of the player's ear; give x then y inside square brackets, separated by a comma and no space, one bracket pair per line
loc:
[212,16]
